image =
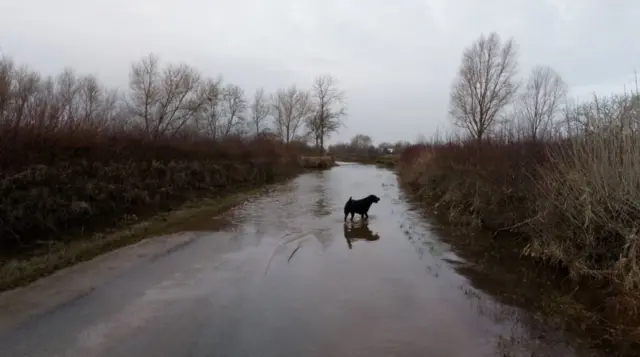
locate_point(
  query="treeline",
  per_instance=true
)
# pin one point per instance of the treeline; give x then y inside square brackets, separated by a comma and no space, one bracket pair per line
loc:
[170,101]
[528,161]
[76,156]
[361,149]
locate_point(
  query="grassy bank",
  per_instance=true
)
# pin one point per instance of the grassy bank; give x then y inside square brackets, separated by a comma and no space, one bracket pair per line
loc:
[361,159]
[57,189]
[316,162]
[381,160]
[570,203]
[80,163]
[18,271]
[387,160]
[74,199]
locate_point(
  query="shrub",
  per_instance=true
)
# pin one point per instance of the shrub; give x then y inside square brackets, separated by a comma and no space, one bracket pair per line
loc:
[71,185]
[575,197]
[588,206]
[76,157]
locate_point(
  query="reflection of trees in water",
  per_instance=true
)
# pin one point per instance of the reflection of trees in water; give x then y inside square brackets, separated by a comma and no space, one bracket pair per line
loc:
[321,192]
[320,208]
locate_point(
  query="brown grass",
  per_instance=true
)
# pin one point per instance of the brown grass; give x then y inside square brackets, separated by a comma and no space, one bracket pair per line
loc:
[388,160]
[317,162]
[476,183]
[76,159]
[68,187]
[21,270]
[348,153]
[588,208]
[574,198]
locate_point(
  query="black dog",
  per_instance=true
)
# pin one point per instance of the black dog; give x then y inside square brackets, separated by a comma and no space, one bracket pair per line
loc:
[360,207]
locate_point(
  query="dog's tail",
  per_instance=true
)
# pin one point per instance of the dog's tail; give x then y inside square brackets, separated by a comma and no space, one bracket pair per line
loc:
[346,206]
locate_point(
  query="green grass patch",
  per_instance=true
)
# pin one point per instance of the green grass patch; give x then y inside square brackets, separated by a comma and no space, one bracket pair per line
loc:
[387,160]
[15,272]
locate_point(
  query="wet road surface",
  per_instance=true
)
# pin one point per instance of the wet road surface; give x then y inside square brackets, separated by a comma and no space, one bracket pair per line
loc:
[281,275]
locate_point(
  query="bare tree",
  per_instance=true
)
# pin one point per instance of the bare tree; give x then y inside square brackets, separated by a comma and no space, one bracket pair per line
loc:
[540,102]
[330,108]
[361,142]
[145,90]
[91,99]
[385,145]
[165,101]
[47,110]
[260,109]
[19,88]
[291,107]
[209,117]
[485,84]
[7,74]
[401,144]
[233,108]
[67,88]
[66,102]
[114,110]
[616,114]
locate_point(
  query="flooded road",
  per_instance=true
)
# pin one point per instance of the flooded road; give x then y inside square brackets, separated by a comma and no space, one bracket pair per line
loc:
[281,275]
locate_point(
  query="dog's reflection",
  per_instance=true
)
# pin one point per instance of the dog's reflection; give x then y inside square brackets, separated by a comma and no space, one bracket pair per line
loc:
[358,230]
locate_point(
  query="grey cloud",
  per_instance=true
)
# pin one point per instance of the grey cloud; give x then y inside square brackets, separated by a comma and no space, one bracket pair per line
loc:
[395,59]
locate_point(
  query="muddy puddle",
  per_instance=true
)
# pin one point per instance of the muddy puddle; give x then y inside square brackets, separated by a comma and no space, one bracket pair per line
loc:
[283,275]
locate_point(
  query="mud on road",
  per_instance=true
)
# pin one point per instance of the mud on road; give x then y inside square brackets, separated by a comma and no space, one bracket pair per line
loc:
[281,275]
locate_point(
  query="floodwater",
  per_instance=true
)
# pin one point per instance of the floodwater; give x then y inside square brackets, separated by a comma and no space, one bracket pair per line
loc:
[281,275]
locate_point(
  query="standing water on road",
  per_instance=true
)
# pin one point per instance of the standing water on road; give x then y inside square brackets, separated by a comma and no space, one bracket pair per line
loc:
[283,275]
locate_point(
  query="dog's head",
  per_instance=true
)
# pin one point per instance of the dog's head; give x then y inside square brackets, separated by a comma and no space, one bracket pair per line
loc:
[373,198]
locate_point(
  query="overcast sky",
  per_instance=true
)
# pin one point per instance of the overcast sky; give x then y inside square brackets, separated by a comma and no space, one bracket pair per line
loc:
[395,59]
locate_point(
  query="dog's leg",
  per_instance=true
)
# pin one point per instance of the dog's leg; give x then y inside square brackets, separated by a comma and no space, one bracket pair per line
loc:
[352,214]
[366,215]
